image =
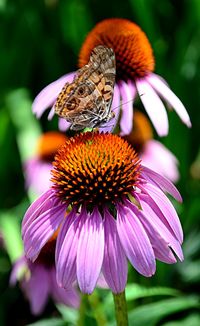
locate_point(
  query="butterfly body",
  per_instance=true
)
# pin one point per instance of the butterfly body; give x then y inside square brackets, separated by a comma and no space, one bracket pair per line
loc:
[86,102]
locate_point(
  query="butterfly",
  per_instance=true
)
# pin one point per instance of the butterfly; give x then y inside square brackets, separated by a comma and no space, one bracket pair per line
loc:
[86,102]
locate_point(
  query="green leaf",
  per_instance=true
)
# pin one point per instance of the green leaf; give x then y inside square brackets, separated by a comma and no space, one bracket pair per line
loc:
[28,129]
[152,313]
[135,291]
[192,320]
[10,227]
[49,322]
[68,314]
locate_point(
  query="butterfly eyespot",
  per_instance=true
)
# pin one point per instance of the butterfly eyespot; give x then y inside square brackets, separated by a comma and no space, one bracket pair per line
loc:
[82,90]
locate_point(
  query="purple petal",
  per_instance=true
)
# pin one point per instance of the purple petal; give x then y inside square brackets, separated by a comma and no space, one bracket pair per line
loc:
[157,157]
[170,97]
[48,95]
[37,289]
[115,263]
[37,175]
[17,267]
[135,241]
[66,249]
[69,297]
[43,203]
[160,236]
[126,122]
[161,182]
[41,230]
[90,251]
[63,125]
[154,106]
[163,207]
[116,110]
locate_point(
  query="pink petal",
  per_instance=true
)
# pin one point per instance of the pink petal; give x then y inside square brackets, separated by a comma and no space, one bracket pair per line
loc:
[114,264]
[154,106]
[170,97]
[19,264]
[48,95]
[135,241]
[66,250]
[40,205]
[37,289]
[90,251]
[157,157]
[69,297]
[63,125]
[126,122]
[161,182]
[163,207]
[160,236]
[36,169]
[41,230]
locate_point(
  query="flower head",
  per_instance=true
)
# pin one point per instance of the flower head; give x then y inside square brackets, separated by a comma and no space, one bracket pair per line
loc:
[118,212]
[154,154]
[39,166]
[38,280]
[135,75]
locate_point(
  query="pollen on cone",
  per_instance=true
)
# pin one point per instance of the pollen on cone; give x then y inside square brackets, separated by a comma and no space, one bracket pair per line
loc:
[95,168]
[134,55]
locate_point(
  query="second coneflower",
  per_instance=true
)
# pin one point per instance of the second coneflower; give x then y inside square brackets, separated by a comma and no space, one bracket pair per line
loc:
[135,75]
[118,212]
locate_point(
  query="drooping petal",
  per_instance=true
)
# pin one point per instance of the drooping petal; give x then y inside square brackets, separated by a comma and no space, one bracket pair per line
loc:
[37,289]
[41,230]
[161,182]
[68,297]
[170,97]
[63,125]
[109,126]
[126,121]
[90,251]
[115,263]
[154,106]
[160,236]
[157,157]
[135,241]
[48,95]
[40,205]
[66,249]
[163,207]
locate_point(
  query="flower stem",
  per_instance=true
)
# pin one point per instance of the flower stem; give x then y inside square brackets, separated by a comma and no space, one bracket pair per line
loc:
[121,314]
[82,310]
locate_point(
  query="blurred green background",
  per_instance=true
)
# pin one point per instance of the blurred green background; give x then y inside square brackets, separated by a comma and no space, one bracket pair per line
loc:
[39,42]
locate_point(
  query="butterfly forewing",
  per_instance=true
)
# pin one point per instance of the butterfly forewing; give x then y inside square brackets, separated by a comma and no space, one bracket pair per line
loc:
[86,102]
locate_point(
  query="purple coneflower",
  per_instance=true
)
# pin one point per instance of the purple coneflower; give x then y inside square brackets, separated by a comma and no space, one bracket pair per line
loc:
[118,212]
[38,280]
[153,154]
[39,166]
[135,75]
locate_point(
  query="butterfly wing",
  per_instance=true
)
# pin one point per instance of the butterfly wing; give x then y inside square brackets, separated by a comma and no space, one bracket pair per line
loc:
[87,100]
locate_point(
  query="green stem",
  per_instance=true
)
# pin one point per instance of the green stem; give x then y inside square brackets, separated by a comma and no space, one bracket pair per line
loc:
[82,310]
[120,309]
[97,310]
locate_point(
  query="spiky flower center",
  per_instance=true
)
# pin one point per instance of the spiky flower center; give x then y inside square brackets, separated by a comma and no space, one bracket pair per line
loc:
[95,168]
[134,55]
[48,144]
